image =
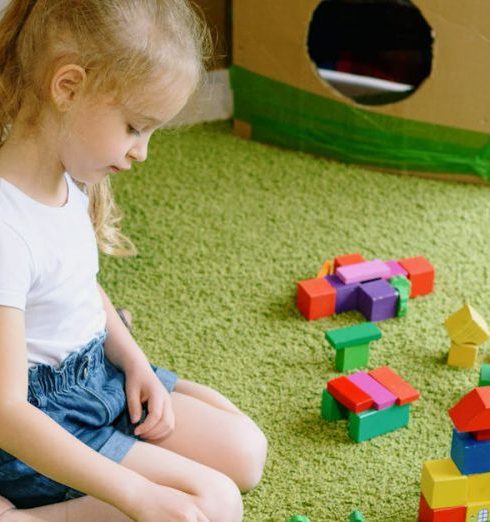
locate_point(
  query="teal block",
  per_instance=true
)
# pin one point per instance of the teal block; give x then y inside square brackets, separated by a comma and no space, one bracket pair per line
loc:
[372,423]
[332,410]
[356,516]
[484,375]
[298,518]
[352,357]
[353,335]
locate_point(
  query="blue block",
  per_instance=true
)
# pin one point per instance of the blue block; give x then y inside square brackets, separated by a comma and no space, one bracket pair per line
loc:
[345,295]
[470,455]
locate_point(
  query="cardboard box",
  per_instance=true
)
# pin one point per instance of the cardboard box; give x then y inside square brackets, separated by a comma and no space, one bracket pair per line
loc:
[441,130]
[217,14]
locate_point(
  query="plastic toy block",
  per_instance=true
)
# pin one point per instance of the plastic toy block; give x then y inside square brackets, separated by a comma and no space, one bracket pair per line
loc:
[472,412]
[443,485]
[353,335]
[351,357]
[377,300]
[469,455]
[402,286]
[452,514]
[395,269]
[481,435]
[346,295]
[315,298]
[332,410]
[484,375]
[467,326]
[372,423]
[462,355]
[347,259]
[326,269]
[298,518]
[479,488]
[356,516]
[404,392]
[348,394]
[421,274]
[382,398]
[477,511]
[365,271]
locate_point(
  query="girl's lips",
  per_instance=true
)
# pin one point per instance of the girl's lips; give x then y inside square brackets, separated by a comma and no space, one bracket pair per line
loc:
[114,169]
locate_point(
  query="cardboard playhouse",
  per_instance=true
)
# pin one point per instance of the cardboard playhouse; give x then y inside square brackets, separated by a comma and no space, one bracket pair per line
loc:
[438,127]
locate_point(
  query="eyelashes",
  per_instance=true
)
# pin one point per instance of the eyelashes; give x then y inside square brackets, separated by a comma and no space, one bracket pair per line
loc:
[134,131]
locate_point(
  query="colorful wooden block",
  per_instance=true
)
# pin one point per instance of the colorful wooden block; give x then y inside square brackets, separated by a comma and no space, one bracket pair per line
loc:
[371,423]
[382,398]
[353,335]
[395,269]
[351,357]
[462,355]
[364,271]
[326,269]
[472,412]
[332,410]
[443,485]
[346,295]
[403,391]
[377,300]
[347,259]
[421,274]
[356,516]
[402,286]
[298,518]
[481,435]
[469,455]
[315,298]
[484,375]
[349,394]
[478,512]
[479,487]
[451,514]
[467,326]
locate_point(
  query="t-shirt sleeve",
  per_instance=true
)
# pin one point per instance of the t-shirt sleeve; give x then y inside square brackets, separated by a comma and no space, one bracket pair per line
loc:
[15,268]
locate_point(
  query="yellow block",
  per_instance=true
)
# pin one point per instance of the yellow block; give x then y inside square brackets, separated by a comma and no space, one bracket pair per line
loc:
[467,326]
[477,511]
[443,485]
[462,355]
[479,488]
[326,269]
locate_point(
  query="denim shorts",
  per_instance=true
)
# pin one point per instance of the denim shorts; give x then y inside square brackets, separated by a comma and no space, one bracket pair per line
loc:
[85,395]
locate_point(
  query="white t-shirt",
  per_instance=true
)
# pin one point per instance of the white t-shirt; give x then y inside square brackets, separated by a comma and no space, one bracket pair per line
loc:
[48,268]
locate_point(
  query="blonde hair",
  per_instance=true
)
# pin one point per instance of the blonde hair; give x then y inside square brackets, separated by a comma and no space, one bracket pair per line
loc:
[119,43]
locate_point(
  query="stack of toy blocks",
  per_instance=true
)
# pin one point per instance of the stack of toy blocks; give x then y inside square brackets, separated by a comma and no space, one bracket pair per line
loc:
[467,330]
[379,290]
[457,489]
[351,345]
[374,402]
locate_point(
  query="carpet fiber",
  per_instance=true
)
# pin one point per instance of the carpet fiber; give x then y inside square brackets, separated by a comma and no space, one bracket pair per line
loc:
[225,228]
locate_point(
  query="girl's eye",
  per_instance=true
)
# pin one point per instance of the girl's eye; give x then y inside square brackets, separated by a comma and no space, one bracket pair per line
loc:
[134,131]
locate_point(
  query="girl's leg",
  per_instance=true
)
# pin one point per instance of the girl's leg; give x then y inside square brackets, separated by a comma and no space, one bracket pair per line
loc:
[209,429]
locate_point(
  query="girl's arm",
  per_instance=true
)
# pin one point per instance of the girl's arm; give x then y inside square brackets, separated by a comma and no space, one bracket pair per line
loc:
[33,437]
[120,347]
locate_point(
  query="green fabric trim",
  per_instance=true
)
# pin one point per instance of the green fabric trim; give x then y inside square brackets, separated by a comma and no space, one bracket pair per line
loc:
[287,116]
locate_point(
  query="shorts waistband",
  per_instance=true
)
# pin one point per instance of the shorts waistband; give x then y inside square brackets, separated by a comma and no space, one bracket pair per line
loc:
[45,379]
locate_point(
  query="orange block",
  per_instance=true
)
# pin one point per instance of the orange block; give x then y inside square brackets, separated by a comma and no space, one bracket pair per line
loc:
[403,391]
[472,412]
[326,269]
[452,514]
[347,259]
[315,298]
[421,274]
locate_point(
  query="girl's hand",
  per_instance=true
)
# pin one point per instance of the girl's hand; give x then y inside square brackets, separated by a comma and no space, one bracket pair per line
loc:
[142,385]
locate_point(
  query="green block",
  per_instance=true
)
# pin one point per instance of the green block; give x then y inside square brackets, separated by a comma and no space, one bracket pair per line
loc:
[332,410]
[403,286]
[356,516]
[298,518]
[352,357]
[484,375]
[402,308]
[353,335]
[371,423]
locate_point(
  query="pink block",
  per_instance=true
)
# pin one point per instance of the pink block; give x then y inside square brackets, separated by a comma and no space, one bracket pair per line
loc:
[362,271]
[395,269]
[382,398]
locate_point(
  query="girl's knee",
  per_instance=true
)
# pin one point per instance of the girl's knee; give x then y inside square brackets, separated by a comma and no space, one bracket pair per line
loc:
[221,501]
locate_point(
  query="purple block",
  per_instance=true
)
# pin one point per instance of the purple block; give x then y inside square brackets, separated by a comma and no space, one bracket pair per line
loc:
[365,271]
[377,300]
[346,295]
[396,269]
[382,398]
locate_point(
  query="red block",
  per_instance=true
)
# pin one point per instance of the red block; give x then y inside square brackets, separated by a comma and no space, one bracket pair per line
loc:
[316,298]
[472,412]
[403,391]
[348,394]
[452,514]
[482,435]
[347,259]
[421,274]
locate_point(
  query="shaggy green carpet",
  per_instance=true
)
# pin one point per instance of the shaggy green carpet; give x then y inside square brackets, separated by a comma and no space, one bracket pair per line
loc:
[225,228]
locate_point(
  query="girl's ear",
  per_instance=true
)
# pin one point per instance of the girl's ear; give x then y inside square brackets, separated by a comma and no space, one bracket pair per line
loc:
[66,84]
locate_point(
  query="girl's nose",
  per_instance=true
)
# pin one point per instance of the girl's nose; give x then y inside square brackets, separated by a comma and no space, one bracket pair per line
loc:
[139,152]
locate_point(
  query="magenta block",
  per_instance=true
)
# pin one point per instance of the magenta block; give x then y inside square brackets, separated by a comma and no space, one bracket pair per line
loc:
[377,300]
[345,295]
[382,398]
[360,272]
[395,269]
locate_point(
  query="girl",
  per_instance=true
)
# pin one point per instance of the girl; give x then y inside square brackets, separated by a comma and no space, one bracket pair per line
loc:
[90,430]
